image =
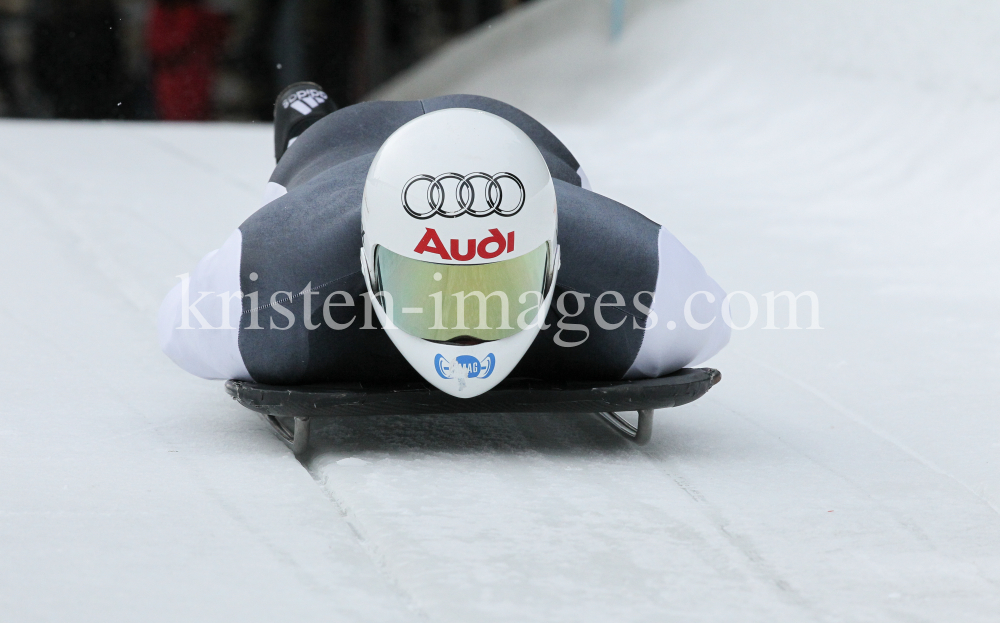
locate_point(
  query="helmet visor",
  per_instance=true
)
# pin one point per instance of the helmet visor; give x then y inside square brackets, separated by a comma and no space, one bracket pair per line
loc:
[461,303]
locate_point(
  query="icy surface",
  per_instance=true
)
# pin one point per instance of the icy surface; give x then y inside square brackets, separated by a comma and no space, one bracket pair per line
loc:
[130,491]
[844,474]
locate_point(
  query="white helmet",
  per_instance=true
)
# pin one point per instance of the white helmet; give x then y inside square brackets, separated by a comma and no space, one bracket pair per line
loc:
[459,250]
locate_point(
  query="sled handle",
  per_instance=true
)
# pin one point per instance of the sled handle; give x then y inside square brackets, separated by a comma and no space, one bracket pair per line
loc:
[297,437]
[639,435]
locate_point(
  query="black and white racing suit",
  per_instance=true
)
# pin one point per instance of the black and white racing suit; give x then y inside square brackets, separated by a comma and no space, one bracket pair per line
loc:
[246,312]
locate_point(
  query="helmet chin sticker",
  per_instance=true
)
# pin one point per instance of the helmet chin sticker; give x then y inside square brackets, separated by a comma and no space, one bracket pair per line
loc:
[464,368]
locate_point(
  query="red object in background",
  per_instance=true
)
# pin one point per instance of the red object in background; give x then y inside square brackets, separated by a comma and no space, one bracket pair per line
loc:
[184,41]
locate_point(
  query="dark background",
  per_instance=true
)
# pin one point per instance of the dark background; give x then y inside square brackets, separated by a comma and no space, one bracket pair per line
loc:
[91,59]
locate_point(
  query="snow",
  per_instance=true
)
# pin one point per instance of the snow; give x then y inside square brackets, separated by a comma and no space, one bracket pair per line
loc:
[843,474]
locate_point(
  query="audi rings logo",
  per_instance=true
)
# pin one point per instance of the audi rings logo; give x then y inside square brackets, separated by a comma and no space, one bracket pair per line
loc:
[491,199]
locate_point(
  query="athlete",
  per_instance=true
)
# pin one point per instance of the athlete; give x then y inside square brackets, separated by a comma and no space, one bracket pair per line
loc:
[454,240]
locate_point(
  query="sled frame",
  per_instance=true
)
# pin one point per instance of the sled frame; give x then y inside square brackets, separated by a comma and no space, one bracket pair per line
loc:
[289,410]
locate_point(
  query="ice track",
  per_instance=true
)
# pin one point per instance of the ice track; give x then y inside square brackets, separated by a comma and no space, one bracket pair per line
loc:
[845,474]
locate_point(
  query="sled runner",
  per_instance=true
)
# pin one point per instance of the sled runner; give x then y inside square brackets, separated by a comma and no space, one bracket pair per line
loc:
[289,410]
